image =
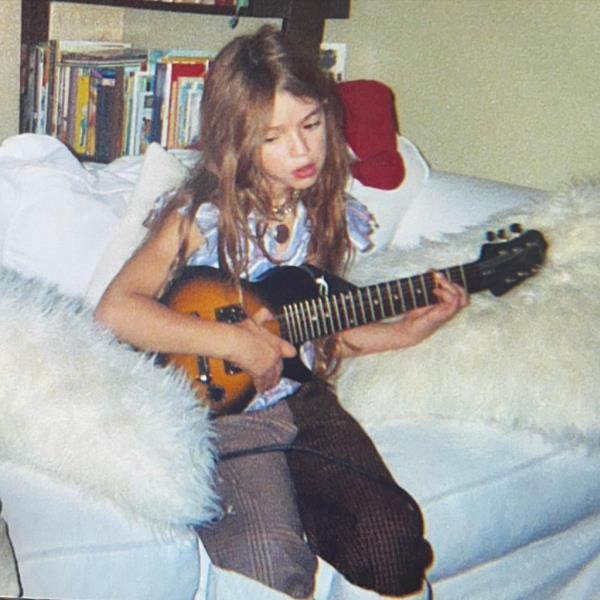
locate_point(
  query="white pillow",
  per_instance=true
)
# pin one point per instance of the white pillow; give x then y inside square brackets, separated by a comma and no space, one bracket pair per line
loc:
[86,410]
[389,206]
[449,203]
[161,171]
[54,222]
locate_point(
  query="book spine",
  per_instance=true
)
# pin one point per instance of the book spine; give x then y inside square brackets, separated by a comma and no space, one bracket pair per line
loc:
[82,112]
[103,114]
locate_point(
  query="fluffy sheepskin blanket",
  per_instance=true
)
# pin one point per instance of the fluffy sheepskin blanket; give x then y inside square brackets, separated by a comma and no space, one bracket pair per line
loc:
[529,359]
[84,409]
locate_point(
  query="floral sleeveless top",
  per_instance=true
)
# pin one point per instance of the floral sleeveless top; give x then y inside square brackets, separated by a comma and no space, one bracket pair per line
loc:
[360,224]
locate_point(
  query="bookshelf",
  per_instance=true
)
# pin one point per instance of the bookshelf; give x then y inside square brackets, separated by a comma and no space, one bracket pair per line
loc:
[304,20]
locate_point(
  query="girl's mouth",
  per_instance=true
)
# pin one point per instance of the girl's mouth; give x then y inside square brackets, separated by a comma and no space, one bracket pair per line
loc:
[306,172]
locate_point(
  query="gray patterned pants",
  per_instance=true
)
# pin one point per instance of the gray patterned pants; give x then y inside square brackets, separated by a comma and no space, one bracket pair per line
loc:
[282,509]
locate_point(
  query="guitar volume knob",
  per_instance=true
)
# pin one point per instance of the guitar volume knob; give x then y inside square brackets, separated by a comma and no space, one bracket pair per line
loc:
[216,394]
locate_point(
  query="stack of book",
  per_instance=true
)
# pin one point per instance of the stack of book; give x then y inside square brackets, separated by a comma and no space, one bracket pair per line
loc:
[105,100]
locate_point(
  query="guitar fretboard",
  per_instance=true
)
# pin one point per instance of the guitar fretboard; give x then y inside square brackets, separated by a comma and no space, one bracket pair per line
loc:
[318,317]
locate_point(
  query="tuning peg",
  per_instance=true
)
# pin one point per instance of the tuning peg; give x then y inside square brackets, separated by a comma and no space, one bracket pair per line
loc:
[490,236]
[516,228]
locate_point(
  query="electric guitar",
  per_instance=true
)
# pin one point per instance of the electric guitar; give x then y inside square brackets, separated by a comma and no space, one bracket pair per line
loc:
[309,304]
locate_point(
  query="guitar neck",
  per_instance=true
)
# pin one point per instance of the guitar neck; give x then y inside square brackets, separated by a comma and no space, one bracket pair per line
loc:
[318,317]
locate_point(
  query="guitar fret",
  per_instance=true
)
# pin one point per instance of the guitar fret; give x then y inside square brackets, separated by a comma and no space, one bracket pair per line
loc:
[390,298]
[291,325]
[355,318]
[345,311]
[330,315]
[324,315]
[424,286]
[462,276]
[298,320]
[294,330]
[400,295]
[310,321]
[337,313]
[431,286]
[381,304]
[317,323]
[305,321]
[418,290]
[412,292]
[362,306]
[284,326]
[373,316]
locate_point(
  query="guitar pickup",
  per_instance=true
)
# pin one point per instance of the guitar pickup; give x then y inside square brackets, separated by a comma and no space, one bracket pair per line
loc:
[230,314]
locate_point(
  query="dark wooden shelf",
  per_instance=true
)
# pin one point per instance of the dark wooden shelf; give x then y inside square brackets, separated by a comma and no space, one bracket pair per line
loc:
[302,20]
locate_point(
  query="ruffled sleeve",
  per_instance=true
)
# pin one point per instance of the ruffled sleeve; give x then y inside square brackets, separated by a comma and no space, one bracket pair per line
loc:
[361,224]
[207,220]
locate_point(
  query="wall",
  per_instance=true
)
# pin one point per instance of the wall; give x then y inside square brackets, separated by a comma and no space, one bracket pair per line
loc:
[499,89]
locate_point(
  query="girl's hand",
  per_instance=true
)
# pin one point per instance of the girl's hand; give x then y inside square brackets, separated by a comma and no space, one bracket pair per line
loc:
[412,329]
[422,322]
[259,352]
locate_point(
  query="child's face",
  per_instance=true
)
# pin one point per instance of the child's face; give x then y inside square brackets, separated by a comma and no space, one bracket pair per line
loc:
[294,149]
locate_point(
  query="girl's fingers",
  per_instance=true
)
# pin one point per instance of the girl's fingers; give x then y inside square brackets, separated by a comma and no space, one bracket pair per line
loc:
[448,292]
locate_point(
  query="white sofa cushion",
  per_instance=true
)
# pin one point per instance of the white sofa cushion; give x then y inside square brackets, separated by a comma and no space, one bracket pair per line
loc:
[54,219]
[160,172]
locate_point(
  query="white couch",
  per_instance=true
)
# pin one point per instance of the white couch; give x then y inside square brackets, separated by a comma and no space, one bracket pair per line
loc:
[493,425]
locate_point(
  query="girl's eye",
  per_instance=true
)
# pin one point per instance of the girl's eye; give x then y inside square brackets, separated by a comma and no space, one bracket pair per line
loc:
[270,139]
[313,124]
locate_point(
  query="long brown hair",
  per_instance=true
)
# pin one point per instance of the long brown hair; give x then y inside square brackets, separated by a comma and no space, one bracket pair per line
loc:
[236,112]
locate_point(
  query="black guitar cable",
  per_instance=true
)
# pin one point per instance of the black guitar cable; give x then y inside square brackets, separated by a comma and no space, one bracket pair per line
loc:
[389,484]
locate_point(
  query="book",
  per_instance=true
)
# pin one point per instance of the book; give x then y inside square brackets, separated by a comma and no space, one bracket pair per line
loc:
[178,70]
[106,99]
[189,91]
[106,95]
[81,111]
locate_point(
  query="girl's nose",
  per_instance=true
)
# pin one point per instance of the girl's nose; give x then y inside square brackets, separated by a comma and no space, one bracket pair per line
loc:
[298,145]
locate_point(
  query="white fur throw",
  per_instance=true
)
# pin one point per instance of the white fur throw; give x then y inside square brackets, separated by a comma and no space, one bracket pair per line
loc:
[529,359]
[80,407]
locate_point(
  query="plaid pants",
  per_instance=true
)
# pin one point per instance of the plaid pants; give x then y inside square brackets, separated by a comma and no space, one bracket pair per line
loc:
[282,509]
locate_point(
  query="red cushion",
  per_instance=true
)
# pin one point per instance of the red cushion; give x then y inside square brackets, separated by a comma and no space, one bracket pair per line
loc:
[370,127]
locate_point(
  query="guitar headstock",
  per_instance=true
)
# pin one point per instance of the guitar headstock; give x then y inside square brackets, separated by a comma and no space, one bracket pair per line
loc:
[510,257]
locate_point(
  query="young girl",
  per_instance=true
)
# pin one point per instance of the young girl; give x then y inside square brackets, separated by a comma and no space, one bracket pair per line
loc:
[271,137]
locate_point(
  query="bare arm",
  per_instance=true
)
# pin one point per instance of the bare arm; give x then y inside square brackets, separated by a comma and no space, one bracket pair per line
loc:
[130,308]
[413,328]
